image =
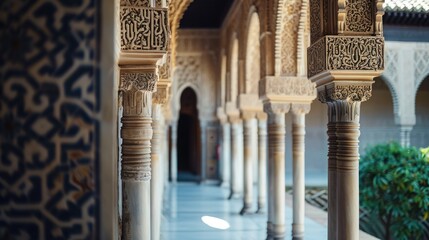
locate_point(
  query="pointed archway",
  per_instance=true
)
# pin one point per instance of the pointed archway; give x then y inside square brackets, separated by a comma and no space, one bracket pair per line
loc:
[189,140]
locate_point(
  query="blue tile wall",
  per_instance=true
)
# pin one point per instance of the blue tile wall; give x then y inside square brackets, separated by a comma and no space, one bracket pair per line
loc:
[49,103]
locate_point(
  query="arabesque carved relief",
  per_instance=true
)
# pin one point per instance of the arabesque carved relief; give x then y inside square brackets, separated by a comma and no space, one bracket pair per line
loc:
[187,69]
[316,21]
[350,53]
[135,3]
[346,53]
[359,16]
[144,29]
[289,37]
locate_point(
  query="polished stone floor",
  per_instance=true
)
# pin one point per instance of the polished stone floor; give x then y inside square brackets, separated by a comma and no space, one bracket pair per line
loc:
[186,203]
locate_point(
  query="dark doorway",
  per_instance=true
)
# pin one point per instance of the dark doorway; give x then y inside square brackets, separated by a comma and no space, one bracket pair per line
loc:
[188,141]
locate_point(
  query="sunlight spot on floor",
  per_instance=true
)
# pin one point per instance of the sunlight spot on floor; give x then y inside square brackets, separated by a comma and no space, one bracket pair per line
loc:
[215,222]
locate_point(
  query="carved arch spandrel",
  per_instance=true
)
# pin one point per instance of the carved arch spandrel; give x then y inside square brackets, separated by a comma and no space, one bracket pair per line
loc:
[289,19]
[233,79]
[252,60]
[176,10]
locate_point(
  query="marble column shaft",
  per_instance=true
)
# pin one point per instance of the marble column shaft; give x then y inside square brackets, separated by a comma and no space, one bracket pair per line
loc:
[226,154]
[347,136]
[262,161]
[276,143]
[236,158]
[249,156]
[157,172]
[136,133]
[298,164]
[332,172]
[173,165]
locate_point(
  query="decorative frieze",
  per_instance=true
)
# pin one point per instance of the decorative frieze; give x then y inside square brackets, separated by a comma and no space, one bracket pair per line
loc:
[144,28]
[287,86]
[346,53]
[249,102]
[135,3]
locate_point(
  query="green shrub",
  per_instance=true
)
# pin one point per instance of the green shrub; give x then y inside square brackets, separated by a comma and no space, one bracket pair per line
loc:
[394,187]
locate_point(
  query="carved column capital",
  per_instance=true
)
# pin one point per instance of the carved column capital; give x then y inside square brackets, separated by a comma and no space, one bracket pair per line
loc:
[139,80]
[345,91]
[299,108]
[161,95]
[220,113]
[235,119]
[276,108]
[248,115]
[262,116]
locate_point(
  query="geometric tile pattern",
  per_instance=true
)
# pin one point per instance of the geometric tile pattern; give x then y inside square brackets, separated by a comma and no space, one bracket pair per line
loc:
[421,65]
[49,103]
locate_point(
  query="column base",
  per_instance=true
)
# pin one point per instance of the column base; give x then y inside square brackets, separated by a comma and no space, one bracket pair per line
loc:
[269,231]
[278,231]
[297,231]
[224,184]
[234,196]
[261,209]
[245,210]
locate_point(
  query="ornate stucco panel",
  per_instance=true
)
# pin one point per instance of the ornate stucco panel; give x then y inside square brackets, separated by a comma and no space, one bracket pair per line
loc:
[333,53]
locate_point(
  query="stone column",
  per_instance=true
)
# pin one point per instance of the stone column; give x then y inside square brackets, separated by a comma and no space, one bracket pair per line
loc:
[156,181]
[157,185]
[136,133]
[344,100]
[262,161]
[141,49]
[249,155]
[345,55]
[236,157]
[332,172]
[166,154]
[173,165]
[405,132]
[203,127]
[276,144]
[348,168]
[298,171]
[225,152]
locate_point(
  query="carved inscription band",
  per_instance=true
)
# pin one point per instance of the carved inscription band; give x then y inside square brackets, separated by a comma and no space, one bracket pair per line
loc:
[144,29]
